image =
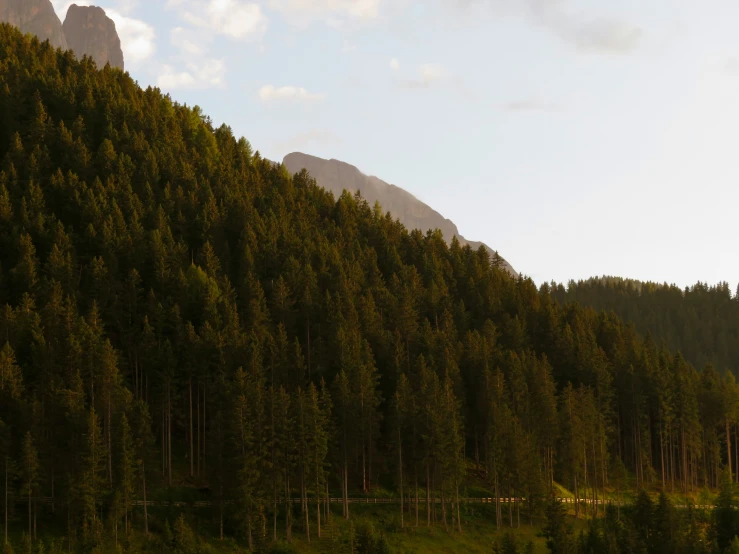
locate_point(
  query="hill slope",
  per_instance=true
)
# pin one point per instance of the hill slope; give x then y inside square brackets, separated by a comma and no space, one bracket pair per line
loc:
[336,176]
[181,320]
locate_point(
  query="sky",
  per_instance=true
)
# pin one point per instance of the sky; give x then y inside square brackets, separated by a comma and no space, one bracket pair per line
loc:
[576,137]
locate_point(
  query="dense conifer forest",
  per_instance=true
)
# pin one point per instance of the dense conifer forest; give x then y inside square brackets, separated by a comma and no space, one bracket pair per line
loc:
[702,321]
[178,312]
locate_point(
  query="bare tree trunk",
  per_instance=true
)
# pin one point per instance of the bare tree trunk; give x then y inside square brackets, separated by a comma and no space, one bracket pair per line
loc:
[205,430]
[328,504]
[443,508]
[169,435]
[109,441]
[400,466]
[428,496]
[346,489]
[416,478]
[146,510]
[192,452]
[304,492]
[6,500]
[728,449]
[318,507]
[459,518]
[197,394]
[288,510]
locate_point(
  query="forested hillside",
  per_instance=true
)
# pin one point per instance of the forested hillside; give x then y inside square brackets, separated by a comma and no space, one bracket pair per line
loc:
[178,311]
[702,321]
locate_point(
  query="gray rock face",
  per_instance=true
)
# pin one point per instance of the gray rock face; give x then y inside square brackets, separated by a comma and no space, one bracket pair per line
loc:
[36,17]
[90,32]
[336,176]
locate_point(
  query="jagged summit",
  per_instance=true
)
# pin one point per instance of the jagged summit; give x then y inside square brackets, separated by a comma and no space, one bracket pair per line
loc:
[335,175]
[36,17]
[91,32]
[87,30]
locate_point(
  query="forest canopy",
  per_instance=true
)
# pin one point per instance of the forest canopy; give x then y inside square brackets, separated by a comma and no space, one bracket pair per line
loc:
[176,310]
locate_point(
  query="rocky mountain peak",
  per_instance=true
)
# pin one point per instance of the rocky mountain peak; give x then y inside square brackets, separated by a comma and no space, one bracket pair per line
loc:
[91,32]
[337,176]
[36,17]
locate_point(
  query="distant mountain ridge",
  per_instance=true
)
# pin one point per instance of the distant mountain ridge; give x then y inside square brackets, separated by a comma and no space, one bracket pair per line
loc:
[87,30]
[335,175]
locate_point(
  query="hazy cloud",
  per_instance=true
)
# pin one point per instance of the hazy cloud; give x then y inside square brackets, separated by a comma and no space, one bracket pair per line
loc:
[187,41]
[394,64]
[207,73]
[236,19]
[301,141]
[587,32]
[331,12]
[531,105]
[732,66]
[428,74]
[269,93]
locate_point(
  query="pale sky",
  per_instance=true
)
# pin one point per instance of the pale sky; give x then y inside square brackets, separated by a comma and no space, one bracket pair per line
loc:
[577,137]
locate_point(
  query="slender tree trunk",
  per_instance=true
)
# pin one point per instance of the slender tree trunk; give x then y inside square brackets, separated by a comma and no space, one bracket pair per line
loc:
[328,504]
[443,508]
[197,394]
[164,442]
[662,453]
[30,529]
[305,507]
[428,496]
[204,433]
[109,441]
[728,449]
[318,506]
[146,509]
[416,480]
[6,500]
[192,452]
[400,467]
[169,435]
[459,517]
[288,508]
[346,488]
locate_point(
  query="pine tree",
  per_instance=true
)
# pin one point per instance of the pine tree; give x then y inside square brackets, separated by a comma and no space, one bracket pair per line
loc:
[93,478]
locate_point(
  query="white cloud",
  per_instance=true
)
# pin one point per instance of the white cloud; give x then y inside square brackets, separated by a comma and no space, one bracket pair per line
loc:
[531,105]
[587,32]
[348,47]
[236,19]
[138,39]
[394,64]
[209,73]
[330,11]
[431,72]
[301,141]
[428,74]
[184,40]
[269,93]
